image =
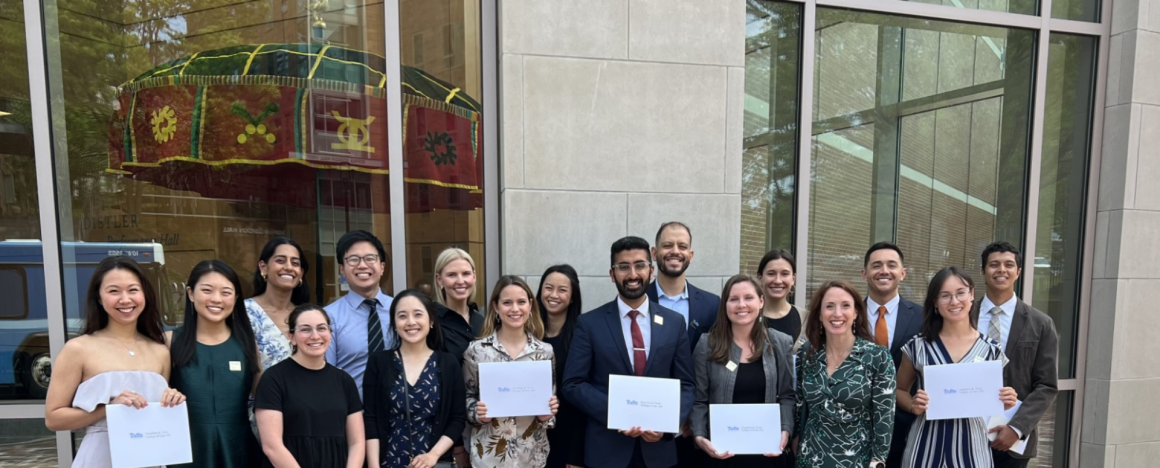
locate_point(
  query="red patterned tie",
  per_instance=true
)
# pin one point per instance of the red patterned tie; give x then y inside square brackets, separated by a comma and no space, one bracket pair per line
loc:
[638,355]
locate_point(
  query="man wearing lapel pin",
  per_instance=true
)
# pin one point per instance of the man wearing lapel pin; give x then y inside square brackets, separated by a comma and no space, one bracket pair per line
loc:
[631,335]
[1031,344]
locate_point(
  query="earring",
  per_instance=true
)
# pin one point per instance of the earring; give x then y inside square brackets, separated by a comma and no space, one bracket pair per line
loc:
[299,281]
[263,276]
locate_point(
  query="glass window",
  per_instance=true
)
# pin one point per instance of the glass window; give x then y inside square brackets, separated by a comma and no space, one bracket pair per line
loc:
[914,122]
[769,161]
[26,443]
[1023,7]
[442,134]
[1054,433]
[191,131]
[24,355]
[1080,10]
[1071,65]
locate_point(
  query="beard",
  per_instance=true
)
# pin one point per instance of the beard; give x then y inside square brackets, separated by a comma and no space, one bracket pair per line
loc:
[663,268]
[622,288]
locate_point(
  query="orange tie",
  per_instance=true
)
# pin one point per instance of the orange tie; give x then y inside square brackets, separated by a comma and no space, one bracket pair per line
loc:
[881,335]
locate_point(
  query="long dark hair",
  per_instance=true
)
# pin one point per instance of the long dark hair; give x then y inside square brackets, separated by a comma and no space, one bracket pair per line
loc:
[816,332]
[301,293]
[575,308]
[434,337]
[721,334]
[184,347]
[932,322]
[97,318]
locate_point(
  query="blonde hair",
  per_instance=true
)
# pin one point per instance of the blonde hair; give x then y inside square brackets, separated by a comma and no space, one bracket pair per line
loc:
[533,326]
[447,256]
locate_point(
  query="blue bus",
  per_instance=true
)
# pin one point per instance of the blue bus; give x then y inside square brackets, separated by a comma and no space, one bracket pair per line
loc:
[25,364]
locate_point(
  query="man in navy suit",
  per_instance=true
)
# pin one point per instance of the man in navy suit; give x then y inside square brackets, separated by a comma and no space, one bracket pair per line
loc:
[628,336]
[673,253]
[893,321]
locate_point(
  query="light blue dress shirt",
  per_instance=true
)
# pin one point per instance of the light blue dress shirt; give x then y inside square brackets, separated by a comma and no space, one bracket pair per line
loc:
[678,304]
[348,342]
[626,326]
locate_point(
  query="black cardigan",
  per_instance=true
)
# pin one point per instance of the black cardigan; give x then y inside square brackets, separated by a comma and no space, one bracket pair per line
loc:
[451,418]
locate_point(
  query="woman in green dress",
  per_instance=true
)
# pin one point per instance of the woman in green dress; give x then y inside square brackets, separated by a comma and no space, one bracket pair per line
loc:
[845,385]
[215,364]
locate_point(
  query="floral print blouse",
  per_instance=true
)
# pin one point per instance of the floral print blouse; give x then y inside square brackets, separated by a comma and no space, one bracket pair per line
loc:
[273,345]
[409,438]
[505,442]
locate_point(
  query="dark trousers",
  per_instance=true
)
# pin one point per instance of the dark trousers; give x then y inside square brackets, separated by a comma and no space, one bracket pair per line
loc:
[1005,460]
[688,455]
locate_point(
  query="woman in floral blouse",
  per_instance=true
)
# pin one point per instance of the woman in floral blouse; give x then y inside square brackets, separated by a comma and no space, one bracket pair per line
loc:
[845,385]
[512,330]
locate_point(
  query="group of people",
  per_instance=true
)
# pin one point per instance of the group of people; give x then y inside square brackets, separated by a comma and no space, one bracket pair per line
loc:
[375,380]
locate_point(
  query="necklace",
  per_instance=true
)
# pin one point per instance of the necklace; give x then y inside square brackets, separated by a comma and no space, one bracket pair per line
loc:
[130,349]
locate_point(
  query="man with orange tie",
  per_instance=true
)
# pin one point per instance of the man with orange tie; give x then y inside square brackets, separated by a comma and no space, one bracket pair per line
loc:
[893,321]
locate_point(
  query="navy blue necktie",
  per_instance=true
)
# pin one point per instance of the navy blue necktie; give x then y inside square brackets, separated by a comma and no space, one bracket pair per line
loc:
[374,326]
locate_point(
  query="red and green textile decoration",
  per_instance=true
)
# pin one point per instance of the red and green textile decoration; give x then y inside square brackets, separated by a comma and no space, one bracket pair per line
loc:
[257,122]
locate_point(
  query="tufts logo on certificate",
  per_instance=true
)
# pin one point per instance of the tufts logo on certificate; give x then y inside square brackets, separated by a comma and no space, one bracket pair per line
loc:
[517,388]
[651,403]
[745,428]
[150,436]
[965,390]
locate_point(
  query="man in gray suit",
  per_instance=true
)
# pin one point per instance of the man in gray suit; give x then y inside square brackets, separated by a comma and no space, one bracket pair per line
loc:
[1029,340]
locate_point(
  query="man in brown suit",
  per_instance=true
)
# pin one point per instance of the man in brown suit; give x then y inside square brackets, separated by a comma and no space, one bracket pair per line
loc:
[1029,341]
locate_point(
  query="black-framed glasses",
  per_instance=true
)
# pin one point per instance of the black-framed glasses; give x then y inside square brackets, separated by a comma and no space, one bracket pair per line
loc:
[354,260]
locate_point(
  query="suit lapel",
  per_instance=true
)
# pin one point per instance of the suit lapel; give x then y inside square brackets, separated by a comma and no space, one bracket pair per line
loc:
[906,315]
[612,317]
[1018,321]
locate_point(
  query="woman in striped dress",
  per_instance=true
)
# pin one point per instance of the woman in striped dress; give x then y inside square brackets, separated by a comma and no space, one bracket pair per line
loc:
[949,336]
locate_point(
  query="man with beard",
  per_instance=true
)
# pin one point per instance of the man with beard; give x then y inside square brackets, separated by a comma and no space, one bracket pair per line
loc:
[893,321]
[674,253]
[629,336]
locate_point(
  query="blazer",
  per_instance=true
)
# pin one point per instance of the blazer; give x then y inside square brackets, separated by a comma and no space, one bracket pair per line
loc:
[715,381]
[598,350]
[907,325]
[451,418]
[702,310]
[1032,369]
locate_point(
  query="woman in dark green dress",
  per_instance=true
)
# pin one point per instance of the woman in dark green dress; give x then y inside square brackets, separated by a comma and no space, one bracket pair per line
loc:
[215,364]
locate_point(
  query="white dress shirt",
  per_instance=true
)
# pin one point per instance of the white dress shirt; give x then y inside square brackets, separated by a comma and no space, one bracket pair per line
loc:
[1004,321]
[626,326]
[891,316]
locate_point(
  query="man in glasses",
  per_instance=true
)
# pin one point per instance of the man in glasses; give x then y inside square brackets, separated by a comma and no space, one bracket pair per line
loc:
[628,336]
[359,318]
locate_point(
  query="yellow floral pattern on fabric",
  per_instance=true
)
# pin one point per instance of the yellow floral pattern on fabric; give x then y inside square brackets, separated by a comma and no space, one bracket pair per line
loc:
[164,124]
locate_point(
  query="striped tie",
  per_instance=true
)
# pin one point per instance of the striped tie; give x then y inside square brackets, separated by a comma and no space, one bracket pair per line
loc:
[993,329]
[374,326]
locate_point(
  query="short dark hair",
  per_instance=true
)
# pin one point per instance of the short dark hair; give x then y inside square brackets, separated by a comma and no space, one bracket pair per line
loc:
[673,224]
[1001,247]
[351,238]
[629,243]
[776,254]
[881,246]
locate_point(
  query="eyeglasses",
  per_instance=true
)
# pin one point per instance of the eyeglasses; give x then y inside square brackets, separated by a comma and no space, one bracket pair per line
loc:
[640,267]
[353,260]
[308,330]
[961,296]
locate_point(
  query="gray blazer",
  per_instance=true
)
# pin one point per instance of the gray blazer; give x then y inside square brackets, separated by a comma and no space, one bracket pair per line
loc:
[1032,370]
[715,381]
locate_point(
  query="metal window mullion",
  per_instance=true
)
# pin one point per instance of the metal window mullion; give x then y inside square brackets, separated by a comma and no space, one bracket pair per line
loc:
[491,209]
[21,411]
[1035,165]
[938,12]
[394,95]
[805,148]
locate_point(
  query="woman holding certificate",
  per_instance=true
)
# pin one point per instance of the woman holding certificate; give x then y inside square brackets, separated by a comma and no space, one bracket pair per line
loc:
[742,362]
[414,393]
[512,331]
[560,307]
[845,385]
[309,412]
[119,358]
[948,336]
[215,363]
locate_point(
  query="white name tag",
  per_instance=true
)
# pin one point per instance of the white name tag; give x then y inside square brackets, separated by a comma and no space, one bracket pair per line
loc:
[659,320]
[235,366]
[731,366]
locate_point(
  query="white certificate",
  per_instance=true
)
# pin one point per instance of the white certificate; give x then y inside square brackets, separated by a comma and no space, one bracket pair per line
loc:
[967,390]
[150,436]
[1020,445]
[652,404]
[520,388]
[745,429]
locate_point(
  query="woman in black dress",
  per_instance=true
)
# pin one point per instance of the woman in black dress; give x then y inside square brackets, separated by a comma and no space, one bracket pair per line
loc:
[778,274]
[560,307]
[309,412]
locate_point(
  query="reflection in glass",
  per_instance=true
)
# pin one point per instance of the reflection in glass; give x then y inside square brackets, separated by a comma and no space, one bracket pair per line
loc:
[921,132]
[24,358]
[1023,7]
[26,443]
[1054,435]
[1063,178]
[769,161]
[443,135]
[1080,10]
